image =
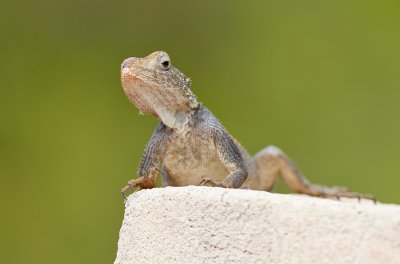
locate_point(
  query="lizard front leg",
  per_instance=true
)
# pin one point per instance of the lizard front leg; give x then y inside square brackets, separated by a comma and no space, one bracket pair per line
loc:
[151,162]
[230,155]
[271,162]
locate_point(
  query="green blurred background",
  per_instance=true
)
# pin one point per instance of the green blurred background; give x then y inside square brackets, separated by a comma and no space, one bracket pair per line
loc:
[320,79]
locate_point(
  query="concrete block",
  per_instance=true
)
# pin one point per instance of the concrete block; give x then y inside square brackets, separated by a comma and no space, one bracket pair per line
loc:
[215,225]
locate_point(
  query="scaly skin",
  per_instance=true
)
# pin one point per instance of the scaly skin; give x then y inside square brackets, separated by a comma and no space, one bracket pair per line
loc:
[191,147]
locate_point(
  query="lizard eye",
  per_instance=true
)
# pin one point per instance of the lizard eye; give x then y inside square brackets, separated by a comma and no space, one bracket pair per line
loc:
[165,62]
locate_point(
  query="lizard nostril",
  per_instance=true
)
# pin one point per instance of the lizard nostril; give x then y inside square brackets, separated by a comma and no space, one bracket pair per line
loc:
[124,70]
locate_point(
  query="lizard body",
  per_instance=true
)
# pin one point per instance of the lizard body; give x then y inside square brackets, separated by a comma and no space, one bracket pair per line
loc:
[191,147]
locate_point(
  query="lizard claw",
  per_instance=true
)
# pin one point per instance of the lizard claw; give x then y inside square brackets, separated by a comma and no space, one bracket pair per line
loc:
[123,195]
[206,182]
[210,183]
[125,190]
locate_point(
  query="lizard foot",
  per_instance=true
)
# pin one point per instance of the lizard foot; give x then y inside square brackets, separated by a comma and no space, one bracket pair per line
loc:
[137,184]
[210,183]
[342,192]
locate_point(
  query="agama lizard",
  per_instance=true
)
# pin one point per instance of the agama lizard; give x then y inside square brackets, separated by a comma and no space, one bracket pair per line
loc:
[191,147]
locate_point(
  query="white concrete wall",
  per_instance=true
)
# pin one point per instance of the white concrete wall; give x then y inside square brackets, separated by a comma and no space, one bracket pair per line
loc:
[215,225]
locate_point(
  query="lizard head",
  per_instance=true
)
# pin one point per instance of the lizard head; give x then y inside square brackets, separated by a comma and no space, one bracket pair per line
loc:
[154,86]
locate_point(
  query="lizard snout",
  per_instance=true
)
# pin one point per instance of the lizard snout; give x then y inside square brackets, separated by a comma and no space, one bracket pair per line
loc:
[128,62]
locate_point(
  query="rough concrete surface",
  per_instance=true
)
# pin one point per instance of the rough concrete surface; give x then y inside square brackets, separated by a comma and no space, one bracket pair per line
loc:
[215,225]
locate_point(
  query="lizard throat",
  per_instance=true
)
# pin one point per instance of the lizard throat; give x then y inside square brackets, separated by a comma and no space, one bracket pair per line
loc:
[177,120]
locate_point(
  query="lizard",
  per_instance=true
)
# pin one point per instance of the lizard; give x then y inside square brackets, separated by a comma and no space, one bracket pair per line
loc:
[191,147]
